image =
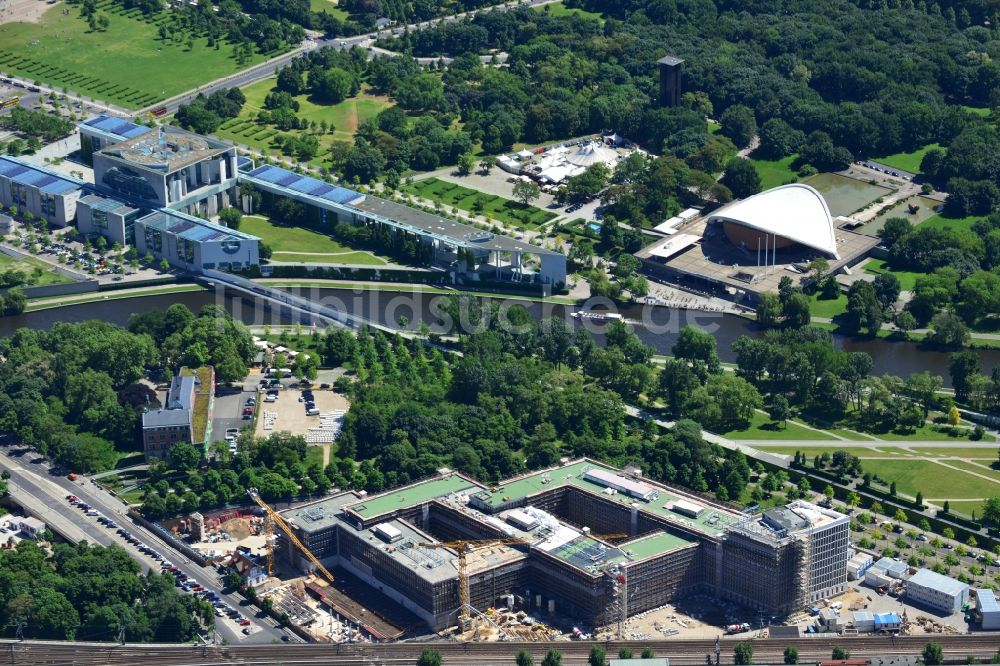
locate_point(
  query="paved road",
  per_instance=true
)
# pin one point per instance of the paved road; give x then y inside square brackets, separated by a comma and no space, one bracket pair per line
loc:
[45,496]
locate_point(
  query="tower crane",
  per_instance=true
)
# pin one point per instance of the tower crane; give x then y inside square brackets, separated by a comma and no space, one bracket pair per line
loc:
[283,526]
[463,548]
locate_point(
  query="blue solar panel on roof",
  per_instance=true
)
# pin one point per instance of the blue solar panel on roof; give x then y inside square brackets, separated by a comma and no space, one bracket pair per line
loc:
[45,180]
[16,171]
[259,171]
[321,189]
[288,180]
[304,185]
[181,227]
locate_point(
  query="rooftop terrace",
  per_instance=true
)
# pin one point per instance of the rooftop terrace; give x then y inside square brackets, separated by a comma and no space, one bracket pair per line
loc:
[165,149]
[711,521]
[413,495]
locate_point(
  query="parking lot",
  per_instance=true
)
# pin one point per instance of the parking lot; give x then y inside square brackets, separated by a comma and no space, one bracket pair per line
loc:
[288,410]
[228,411]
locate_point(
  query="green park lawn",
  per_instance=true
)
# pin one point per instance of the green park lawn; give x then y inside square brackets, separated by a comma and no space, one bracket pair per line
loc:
[464,198]
[958,224]
[344,118]
[763,427]
[827,307]
[907,279]
[330,7]
[41,273]
[126,64]
[933,480]
[560,9]
[775,172]
[907,161]
[296,244]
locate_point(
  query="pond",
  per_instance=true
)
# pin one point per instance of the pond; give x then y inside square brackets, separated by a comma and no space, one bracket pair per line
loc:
[914,210]
[844,195]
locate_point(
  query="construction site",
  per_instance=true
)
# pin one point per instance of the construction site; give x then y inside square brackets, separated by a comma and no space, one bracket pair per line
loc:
[572,551]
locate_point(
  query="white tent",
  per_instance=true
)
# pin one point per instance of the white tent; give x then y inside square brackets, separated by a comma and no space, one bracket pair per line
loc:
[525,154]
[593,153]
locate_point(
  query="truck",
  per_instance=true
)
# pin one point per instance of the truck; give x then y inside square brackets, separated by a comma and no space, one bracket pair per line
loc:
[738,628]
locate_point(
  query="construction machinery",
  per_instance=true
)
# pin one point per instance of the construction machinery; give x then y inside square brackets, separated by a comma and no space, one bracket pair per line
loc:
[276,519]
[463,548]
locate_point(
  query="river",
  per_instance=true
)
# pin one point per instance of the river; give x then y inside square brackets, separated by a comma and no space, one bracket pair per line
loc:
[656,326]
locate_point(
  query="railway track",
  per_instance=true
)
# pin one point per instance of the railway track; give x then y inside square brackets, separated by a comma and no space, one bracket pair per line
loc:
[38,653]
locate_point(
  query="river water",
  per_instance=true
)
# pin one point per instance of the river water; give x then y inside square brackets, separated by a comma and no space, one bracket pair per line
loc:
[656,326]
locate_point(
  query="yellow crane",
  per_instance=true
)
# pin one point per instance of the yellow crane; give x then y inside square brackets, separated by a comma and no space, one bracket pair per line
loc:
[463,548]
[283,526]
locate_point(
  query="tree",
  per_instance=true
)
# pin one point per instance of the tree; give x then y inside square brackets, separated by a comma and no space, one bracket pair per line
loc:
[597,656]
[184,456]
[524,658]
[231,217]
[743,653]
[741,178]
[647,653]
[625,653]
[164,265]
[526,192]
[333,85]
[900,516]
[738,123]
[887,289]
[791,655]
[963,366]
[840,653]
[466,163]
[796,310]
[552,658]
[894,229]
[13,302]
[863,308]
[780,411]
[487,164]
[933,655]
[991,510]
[768,310]
[429,658]
[947,328]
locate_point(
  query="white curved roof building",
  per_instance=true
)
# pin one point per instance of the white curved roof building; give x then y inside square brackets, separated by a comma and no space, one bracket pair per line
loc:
[780,217]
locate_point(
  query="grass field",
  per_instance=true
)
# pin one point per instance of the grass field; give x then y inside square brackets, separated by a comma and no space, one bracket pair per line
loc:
[39,272]
[560,9]
[775,172]
[822,307]
[907,161]
[959,224]
[911,475]
[504,210]
[330,7]
[907,279]
[126,64]
[305,245]
[343,117]
[763,428]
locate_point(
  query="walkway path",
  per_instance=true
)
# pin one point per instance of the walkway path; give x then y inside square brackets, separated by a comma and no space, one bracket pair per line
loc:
[917,331]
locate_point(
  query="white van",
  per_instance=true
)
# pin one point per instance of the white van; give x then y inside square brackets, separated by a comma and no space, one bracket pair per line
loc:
[312,412]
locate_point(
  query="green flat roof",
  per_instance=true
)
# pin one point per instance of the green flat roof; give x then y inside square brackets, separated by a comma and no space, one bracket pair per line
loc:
[711,521]
[654,544]
[408,496]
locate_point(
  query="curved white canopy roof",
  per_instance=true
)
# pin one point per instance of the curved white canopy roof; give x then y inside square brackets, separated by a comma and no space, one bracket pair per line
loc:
[797,211]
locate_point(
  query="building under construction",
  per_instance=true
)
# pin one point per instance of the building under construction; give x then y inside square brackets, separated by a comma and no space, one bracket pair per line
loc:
[583,540]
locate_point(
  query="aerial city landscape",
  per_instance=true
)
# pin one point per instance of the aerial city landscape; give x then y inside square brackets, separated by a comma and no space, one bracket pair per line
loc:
[604,332]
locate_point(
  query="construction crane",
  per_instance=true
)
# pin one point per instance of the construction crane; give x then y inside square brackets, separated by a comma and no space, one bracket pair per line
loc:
[463,548]
[283,526]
